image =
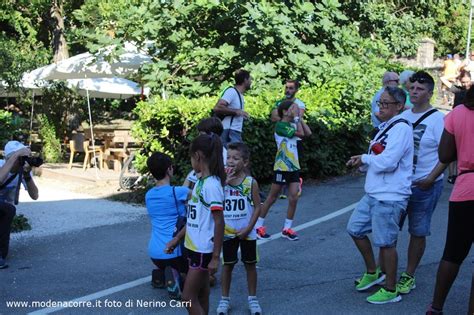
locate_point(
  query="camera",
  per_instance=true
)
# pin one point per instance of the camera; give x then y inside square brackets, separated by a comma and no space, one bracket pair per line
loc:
[32,160]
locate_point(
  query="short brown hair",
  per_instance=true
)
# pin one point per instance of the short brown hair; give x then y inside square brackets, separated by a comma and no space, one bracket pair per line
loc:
[295,82]
[240,76]
[241,147]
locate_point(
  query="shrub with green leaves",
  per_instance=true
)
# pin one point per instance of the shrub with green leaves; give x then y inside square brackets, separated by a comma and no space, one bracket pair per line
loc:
[51,145]
[20,223]
[11,127]
[338,110]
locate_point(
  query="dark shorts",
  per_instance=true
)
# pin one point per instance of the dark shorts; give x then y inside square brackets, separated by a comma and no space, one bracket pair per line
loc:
[248,251]
[198,260]
[283,178]
[178,263]
[460,234]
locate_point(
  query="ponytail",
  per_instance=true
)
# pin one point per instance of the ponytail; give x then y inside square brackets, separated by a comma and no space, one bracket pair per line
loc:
[211,147]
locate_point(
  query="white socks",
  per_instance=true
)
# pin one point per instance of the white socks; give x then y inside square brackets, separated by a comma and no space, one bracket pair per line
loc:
[288,224]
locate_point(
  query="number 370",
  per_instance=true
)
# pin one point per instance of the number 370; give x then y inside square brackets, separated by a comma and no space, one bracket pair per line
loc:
[234,204]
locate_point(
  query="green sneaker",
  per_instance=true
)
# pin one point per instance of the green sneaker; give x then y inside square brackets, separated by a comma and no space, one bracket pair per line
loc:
[369,280]
[383,296]
[406,283]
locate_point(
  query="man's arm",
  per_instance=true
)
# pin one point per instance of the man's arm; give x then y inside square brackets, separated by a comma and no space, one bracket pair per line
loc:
[222,106]
[31,187]
[307,131]
[10,162]
[446,82]
[427,182]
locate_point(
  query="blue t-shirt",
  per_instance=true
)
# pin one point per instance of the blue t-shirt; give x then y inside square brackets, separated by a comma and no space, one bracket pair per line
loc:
[163,216]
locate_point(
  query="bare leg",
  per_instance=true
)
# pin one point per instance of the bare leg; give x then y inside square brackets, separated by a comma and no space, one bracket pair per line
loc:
[416,249]
[292,200]
[195,281]
[365,248]
[272,196]
[381,261]
[226,279]
[251,279]
[447,273]
[204,293]
[390,258]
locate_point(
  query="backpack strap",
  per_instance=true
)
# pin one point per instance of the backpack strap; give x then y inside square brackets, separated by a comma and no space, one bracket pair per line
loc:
[425,115]
[240,101]
[401,120]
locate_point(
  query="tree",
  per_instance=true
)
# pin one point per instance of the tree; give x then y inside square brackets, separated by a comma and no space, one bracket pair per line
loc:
[60,49]
[198,44]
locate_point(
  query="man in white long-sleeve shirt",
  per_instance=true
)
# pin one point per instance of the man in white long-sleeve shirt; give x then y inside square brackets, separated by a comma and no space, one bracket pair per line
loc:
[389,166]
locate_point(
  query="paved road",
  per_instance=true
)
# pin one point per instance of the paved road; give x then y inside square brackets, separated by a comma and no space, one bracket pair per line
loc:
[312,276]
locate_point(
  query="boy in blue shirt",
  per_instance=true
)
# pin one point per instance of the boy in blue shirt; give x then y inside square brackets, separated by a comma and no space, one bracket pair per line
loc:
[165,204]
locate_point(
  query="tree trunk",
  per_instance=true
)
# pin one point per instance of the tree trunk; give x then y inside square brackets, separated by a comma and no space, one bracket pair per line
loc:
[59,40]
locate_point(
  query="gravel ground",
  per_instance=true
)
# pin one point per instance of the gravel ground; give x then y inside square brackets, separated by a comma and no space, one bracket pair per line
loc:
[66,207]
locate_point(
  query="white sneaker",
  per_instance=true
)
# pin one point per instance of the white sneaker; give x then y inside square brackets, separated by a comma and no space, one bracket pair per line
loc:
[254,307]
[223,307]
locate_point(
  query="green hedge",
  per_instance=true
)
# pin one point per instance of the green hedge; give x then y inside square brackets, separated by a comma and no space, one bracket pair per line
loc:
[338,112]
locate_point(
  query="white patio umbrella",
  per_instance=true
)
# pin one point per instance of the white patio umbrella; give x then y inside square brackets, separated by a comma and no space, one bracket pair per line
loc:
[87,65]
[117,88]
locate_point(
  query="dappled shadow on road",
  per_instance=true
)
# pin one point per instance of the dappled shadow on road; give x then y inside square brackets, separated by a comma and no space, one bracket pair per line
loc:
[52,217]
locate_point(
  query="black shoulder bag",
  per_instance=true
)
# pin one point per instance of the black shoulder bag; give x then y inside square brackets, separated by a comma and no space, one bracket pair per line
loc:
[220,116]
[181,220]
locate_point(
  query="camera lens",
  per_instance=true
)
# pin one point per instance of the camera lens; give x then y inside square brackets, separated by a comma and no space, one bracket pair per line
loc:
[34,161]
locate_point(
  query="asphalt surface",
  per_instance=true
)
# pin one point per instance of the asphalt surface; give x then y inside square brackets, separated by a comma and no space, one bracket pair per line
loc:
[314,275]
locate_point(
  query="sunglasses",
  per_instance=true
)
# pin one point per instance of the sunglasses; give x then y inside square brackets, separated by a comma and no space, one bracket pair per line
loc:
[385,104]
[421,79]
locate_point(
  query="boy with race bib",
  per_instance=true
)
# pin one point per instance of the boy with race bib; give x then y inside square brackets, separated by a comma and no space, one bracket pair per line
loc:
[286,168]
[241,210]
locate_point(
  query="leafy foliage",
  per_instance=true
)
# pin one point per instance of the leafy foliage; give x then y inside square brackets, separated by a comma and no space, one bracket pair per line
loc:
[20,223]
[197,45]
[400,24]
[51,145]
[11,127]
[337,112]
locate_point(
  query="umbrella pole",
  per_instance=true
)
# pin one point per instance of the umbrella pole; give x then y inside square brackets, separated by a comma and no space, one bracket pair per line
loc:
[31,118]
[469,31]
[92,134]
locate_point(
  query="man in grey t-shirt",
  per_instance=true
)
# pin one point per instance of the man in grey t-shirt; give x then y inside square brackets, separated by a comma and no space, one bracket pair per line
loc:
[231,105]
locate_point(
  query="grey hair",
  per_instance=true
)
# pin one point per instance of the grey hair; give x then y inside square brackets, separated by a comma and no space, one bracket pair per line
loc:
[397,93]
